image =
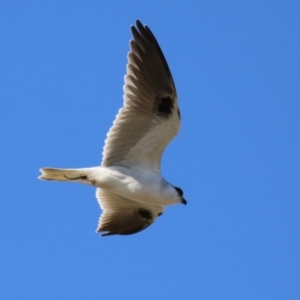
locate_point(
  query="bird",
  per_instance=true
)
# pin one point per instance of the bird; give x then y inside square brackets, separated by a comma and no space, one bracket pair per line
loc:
[131,190]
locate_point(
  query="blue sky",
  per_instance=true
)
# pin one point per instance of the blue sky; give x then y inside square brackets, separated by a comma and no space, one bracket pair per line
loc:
[236,69]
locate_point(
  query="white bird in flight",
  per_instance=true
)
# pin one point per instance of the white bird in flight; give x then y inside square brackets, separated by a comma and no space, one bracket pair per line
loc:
[130,188]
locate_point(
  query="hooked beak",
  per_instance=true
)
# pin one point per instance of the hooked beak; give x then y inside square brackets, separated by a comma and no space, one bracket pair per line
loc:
[183,201]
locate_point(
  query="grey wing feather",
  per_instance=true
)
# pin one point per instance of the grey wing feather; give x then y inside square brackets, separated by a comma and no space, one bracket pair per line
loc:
[124,216]
[150,116]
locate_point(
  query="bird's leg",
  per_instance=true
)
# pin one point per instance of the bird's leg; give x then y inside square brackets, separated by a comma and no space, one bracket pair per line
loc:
[76,178]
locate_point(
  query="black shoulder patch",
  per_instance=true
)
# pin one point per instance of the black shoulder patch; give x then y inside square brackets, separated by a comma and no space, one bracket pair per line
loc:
[164,106]
[145,214]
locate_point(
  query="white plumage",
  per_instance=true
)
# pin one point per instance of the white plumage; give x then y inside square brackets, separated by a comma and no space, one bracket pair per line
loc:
[131,191]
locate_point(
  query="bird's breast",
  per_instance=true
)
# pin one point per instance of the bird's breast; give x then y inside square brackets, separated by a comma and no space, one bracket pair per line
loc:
[144,187]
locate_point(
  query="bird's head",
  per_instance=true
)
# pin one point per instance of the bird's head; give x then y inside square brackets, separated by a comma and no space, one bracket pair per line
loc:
[180,194]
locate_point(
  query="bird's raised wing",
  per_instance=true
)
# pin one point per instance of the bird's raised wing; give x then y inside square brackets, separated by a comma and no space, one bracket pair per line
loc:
[124,216]
[150,117]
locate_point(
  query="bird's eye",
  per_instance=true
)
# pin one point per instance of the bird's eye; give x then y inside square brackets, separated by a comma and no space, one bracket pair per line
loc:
[179,191]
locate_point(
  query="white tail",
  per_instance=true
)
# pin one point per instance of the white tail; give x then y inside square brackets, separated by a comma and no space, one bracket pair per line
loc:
[79,175]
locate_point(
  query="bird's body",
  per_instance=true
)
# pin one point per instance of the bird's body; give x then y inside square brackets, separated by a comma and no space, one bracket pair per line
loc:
[143,187]
[131,190]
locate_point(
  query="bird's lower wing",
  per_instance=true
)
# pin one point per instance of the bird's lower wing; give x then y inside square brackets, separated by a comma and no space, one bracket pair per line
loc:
[124,216]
